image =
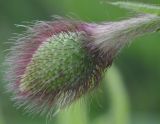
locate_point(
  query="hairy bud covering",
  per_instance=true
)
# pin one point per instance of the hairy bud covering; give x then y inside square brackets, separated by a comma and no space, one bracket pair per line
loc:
[54,63]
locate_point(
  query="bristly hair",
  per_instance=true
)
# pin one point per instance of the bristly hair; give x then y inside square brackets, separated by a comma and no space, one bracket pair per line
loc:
[31,91]
[56,62]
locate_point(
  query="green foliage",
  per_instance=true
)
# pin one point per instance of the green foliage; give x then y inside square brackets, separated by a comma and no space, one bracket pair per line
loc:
[139,7]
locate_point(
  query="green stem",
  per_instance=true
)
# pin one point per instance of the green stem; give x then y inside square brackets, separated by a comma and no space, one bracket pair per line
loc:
[138,7]
[120,113]
[76,114]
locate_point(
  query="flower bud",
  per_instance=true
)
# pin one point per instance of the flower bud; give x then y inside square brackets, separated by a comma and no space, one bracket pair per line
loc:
[54,63]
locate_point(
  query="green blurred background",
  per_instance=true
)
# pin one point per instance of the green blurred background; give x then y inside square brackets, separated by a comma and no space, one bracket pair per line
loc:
[130,91]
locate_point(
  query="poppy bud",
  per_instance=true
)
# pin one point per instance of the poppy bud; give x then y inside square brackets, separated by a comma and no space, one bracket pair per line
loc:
[56,62]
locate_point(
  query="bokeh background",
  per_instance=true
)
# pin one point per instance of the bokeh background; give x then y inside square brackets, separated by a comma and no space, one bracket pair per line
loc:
[130,90]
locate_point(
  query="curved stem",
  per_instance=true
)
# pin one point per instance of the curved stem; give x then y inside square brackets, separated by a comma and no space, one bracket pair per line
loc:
[120,113]
[77,114]
[138,7]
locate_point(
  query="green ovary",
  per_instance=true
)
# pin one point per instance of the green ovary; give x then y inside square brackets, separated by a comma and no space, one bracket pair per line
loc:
[60,61]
